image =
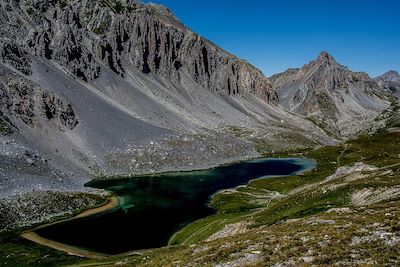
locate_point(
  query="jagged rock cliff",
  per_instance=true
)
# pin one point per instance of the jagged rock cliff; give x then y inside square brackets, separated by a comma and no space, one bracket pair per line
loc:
[83,36]
[390,81]
[339,100]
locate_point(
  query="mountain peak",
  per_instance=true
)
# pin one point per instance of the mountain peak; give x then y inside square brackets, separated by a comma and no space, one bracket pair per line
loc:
[324,61]
[390,76]
[325,57]
[392,73]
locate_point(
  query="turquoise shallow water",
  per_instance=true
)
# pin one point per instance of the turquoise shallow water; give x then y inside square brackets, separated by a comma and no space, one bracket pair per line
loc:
[152,208]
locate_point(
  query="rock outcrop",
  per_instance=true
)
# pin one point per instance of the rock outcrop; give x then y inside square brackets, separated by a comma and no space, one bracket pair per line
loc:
[83,36]
[390,81]
[27,101]
[331,95]
[12,55]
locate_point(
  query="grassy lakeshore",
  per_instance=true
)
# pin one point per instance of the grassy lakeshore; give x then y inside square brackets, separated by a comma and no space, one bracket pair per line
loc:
[34,237]
[382,149]
[22,247]
[352,218]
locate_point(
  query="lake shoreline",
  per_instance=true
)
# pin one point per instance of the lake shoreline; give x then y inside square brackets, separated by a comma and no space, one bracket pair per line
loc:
[31,235]
[114,202]
[211,167]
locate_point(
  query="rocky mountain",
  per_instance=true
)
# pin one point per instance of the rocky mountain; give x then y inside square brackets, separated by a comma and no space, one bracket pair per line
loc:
[339,100]
[93,89]
[84,37]
[96,88]
[390,81]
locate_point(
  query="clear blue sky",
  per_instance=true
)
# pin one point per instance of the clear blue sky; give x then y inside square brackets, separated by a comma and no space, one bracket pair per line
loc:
[276,34]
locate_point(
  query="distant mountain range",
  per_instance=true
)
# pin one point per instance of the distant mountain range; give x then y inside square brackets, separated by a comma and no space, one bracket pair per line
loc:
[390,81]
[336,98]
[99,88]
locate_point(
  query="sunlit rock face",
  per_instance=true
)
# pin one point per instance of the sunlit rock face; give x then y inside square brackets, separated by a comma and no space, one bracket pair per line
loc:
[86,36]
[338,99]
[390,81]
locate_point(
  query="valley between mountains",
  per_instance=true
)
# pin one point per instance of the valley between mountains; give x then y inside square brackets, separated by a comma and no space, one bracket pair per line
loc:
[95,90]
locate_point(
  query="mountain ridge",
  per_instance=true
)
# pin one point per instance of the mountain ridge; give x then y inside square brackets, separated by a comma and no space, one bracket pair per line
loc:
[331,95]
[390,81]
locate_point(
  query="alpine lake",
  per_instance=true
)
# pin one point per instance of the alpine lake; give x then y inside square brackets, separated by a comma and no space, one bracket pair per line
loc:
[153,207]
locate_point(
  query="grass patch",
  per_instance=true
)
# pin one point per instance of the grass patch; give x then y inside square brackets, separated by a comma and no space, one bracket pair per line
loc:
[5,126]
[203,228]
[115,5]
[101,29]
[238,131]
[236,201]
[329,129]
[63,4]
[304,204]
[132,7]
[327,162]
[118,7]
[16,251]
[380,149]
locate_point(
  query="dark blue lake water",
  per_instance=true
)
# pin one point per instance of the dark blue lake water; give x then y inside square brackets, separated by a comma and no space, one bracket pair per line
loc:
[153,208]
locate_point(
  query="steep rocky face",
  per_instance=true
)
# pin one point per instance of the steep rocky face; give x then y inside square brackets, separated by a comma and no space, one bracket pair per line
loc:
[24,100]
[12,55]
[390,81]
[83,36]
[280,79]
[331,95]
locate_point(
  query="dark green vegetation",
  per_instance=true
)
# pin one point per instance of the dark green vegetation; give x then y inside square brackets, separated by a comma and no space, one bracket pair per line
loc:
[16,251]
[326,127]
[101,29]
[5,126]
[118,7]
[63,4]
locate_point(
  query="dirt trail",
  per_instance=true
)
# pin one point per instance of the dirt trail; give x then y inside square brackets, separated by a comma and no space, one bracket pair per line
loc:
[34,237]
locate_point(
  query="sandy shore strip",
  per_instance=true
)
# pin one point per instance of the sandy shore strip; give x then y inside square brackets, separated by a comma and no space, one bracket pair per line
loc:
[34,237]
